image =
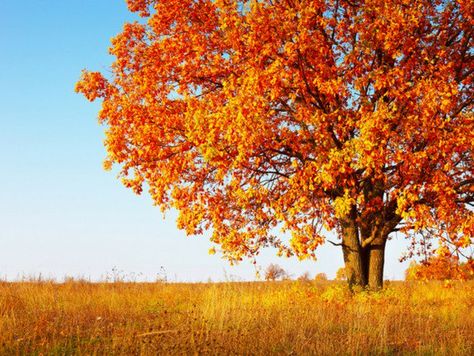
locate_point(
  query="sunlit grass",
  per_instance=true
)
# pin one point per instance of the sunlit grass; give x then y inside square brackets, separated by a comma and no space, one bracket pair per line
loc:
[235,318]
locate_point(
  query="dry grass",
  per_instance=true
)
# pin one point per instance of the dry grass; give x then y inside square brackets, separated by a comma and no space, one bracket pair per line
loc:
[235,318]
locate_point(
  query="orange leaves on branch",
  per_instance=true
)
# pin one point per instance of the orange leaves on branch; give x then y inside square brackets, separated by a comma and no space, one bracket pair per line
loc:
[93,85]
[443,266]
[250,117]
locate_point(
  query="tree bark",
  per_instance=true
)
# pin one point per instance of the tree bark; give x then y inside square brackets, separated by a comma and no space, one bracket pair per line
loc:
[376,259]
[364,264]
[353,257]
[364,235]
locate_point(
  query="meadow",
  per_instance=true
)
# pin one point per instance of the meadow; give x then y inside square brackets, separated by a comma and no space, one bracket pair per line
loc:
[258,318]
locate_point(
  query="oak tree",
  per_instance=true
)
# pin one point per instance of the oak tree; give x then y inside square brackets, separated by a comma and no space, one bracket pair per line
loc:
[274,122]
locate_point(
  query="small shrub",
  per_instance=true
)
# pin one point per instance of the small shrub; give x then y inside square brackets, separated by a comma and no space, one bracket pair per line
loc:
[341,274]
[305,277]
[321,277]
[443,266]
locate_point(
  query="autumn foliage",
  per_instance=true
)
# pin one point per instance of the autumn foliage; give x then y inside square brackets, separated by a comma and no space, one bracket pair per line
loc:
[341,274]
[321,277]
[443,266]
[272,122]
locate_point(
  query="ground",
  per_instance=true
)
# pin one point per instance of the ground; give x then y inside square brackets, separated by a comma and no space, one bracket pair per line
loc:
[263,318]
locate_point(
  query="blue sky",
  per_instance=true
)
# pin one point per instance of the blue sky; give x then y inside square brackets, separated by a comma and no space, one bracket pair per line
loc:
[60,213]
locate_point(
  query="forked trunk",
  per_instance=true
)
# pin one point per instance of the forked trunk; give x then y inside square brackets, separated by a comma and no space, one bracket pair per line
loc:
[364,236]
[363,265]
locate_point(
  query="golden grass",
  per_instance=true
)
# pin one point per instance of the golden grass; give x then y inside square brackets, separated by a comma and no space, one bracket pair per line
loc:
[235,318]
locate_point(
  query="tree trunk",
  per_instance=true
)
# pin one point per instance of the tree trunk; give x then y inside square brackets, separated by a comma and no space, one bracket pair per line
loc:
[376,259]
[353,256]
[364,265]
[364,236]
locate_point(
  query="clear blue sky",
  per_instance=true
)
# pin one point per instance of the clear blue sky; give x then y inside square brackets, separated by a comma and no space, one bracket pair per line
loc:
[60,213]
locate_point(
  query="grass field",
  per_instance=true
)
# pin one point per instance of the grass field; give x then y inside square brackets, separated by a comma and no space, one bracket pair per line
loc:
[287,318]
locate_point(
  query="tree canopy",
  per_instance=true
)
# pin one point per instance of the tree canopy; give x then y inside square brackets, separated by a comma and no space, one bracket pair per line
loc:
[253,118]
